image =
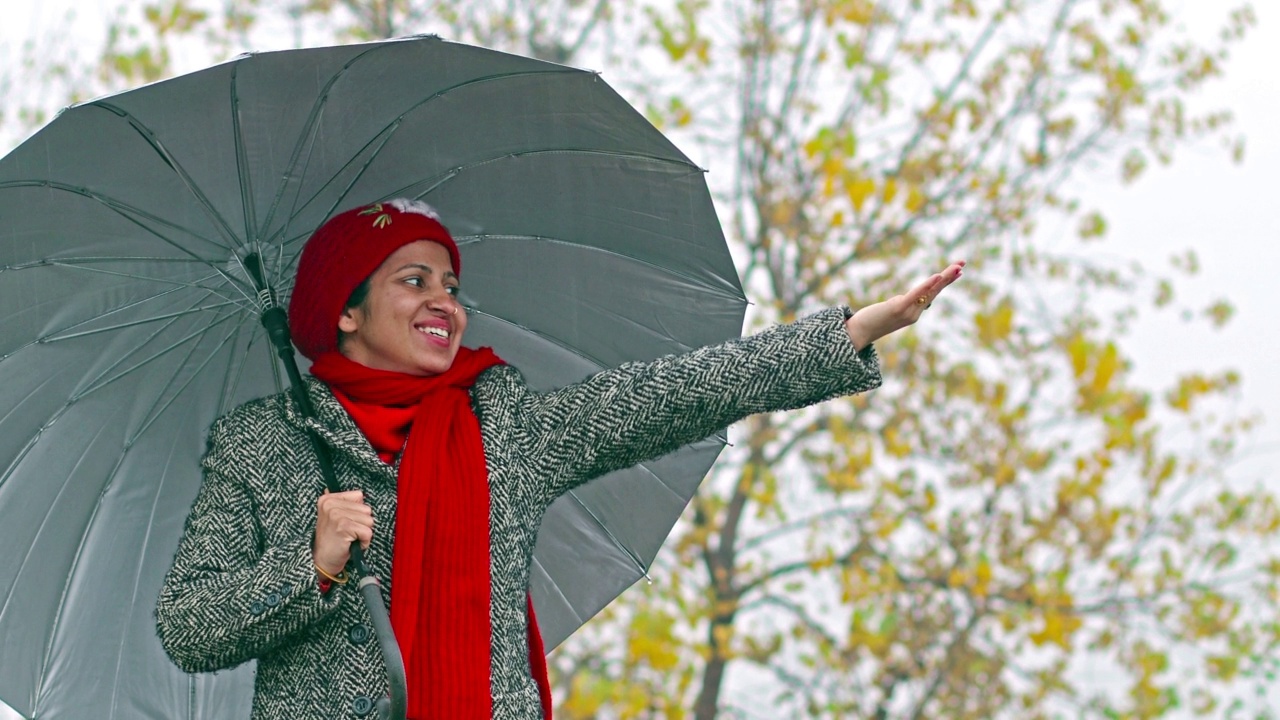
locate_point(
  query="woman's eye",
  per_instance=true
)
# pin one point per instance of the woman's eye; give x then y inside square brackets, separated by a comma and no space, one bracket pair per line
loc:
[453,290]
[414,280]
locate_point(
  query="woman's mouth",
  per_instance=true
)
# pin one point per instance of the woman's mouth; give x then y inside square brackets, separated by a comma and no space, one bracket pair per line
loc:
[437,335]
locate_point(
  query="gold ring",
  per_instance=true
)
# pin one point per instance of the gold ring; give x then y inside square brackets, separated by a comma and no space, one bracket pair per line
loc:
[922,300]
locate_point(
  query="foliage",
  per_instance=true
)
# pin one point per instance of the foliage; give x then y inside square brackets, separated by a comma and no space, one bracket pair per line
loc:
[1011,526]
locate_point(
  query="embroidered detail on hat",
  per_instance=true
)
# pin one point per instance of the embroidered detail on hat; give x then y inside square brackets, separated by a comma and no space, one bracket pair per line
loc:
[382,220]
[405,205]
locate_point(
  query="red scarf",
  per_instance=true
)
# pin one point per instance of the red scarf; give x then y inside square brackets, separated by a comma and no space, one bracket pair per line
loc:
[440,564]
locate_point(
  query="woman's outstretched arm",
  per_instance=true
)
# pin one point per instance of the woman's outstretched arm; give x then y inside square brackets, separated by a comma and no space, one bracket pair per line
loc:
[639,411]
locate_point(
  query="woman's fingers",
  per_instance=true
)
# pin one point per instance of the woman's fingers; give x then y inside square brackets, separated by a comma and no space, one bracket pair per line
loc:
[341,519]
[924,293]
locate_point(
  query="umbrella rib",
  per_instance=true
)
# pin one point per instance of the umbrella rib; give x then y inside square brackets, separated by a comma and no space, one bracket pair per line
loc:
[135,323]
[597,364]
[137,577]
[26,449]
[122,209]
[434,182]
[128,445]
[120,361]
[188,182]
[156,410]
[25,398]
[43,523]
[306,139]
[89,320]
[242,165]
[388,130]
[155,356]
[92,259]
[31,442]
[229,382]
[641,566]
[72,400]
[66,586]
[560,593]
[134,276]
[441,178]
[386,137]
[469,239]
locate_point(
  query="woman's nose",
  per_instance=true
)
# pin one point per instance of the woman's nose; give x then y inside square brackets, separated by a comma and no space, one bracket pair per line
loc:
[444,301]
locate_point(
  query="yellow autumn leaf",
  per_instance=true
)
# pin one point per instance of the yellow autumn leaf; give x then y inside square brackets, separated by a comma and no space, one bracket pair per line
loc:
[858,12]
[585,697]
[782,212]
[859,190]
[894,444]
[1106,368]
[723,637]
[997,325]
[889,191]
[1078,349]
[1223,667]
[982,578]
[915,198]
[1058,629]
[930,499]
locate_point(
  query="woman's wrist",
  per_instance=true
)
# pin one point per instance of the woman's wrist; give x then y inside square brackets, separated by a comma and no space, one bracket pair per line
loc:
[859,330]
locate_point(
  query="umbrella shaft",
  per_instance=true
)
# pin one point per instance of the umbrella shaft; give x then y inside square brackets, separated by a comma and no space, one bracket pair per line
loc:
[393,707]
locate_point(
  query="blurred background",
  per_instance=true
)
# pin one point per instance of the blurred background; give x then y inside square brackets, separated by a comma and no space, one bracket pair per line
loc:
[1063,501]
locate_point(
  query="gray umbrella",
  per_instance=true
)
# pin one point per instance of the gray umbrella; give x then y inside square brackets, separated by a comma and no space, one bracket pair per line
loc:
[128,323]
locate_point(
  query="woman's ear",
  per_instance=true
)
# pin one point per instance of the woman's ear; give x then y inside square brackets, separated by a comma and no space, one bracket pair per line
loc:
[348,322]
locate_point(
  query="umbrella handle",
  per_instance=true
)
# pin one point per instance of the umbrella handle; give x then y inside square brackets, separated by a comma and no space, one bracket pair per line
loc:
[276,323]
[394,707]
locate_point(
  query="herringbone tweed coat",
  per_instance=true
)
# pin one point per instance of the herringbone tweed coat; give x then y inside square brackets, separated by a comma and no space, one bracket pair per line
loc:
[242,585]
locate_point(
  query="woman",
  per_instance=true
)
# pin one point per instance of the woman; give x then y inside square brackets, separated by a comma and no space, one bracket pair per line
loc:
[448,461]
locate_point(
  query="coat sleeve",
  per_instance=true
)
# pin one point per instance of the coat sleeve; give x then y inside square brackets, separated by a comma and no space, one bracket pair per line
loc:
[228,599]
[639,411]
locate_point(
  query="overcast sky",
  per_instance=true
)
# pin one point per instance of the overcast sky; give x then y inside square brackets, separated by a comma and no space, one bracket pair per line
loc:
[1229,213]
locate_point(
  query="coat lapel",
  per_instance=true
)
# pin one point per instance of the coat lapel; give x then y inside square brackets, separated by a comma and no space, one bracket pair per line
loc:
[337,430]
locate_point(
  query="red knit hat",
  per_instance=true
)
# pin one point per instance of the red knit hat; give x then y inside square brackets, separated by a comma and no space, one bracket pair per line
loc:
[344,251]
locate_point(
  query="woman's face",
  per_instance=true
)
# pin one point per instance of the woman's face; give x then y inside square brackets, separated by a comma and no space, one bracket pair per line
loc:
[411,321]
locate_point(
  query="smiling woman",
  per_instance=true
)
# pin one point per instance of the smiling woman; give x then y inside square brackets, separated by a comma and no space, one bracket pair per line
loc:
[447,462]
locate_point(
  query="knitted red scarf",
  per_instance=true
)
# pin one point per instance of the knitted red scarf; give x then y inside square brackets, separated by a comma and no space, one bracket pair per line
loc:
[440,565]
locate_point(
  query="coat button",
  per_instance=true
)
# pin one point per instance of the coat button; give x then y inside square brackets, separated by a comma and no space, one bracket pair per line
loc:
[273,600]
[358,634]
[285,590]
[257,608]
[362,705]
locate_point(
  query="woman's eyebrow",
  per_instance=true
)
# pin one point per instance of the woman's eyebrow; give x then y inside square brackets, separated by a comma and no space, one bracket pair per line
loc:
[426,268]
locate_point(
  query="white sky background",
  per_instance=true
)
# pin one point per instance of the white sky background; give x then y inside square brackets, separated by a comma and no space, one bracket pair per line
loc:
[1230,214]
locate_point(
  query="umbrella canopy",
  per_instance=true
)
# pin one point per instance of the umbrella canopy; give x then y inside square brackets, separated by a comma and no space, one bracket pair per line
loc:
[128,323]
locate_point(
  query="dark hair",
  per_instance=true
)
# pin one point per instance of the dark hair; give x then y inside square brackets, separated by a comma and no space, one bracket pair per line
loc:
[355,300]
